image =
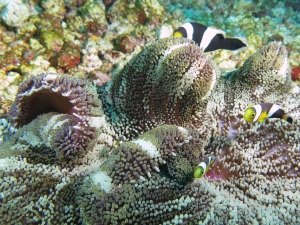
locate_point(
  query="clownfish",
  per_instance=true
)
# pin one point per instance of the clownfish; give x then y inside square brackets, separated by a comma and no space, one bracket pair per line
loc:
[120,140]
[203,166]
[210,39]
[263,111]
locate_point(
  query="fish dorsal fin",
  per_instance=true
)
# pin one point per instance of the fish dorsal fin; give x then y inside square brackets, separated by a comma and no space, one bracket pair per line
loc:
[244,41]
[250,105]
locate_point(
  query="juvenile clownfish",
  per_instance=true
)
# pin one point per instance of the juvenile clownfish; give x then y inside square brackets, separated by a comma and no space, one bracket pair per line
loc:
[263,111]
[208,38]
[203,167]
[120,140]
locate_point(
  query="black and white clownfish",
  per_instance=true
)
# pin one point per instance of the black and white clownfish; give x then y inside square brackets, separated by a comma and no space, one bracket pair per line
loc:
[210,39]
[204,166]
[120,140]
[263,111]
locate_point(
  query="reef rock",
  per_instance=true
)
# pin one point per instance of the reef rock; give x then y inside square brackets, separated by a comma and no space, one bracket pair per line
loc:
[14,13]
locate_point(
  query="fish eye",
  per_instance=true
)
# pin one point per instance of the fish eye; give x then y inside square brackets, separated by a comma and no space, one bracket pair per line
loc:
[253,115]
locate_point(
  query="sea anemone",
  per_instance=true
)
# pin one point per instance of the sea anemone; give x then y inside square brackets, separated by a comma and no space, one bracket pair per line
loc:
[169,82]
[62,94]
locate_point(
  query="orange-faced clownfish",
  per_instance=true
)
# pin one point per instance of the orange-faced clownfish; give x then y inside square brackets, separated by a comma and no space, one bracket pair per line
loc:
[208,38]
[263,111]
[204,166]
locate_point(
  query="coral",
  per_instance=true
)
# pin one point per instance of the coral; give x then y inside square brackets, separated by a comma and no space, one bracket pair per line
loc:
[35,44]
[164,31]
[64,94]
[108,3]
[8,89]
[6,130]
[245,5]
[139,18]
[3,48]
[167,83]
[295,72]
[130,10]
[90,62]
[52,40]
[99,78]
[154,12]
[95,28]
[37,168]
[68,58]
[113,57]
[28,55]
[27,31]
[14,13]
[53,8]
[39,62]
[3,3]
[135,15]
[5,106]
[93,15]
[10,60]
[125,43]
[140,14]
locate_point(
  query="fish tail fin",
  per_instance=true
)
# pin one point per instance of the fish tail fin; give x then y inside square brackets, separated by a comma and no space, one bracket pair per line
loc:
[288,118]
[236,44]
[243,40]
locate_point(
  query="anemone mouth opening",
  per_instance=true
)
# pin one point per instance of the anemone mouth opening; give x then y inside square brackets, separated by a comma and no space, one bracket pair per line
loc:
[218,171]
[214,175]
[44,102]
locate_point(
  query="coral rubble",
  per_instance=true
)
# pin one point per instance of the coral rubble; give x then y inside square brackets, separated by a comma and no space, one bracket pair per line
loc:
[10,13]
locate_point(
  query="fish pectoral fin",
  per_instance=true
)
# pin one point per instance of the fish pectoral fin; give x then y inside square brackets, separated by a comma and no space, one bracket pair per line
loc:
[261,120]
[263,116]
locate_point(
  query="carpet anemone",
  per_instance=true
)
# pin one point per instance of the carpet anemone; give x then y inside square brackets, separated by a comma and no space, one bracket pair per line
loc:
[167,110]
